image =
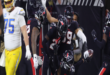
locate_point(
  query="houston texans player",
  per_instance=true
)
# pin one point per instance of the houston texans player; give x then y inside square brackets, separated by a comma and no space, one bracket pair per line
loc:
[54,35]
[72,28]
[104,44]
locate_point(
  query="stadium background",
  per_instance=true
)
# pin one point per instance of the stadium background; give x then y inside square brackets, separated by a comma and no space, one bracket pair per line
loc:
[91,17]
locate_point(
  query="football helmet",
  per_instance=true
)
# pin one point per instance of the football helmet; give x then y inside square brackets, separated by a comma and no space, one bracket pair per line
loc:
[68,55]
[62,26]
[68,13]
[31,7]
[40,14]
[9,4]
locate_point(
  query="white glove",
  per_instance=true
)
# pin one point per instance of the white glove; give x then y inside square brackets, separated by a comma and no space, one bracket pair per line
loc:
[28,53]
[40,62]
[35,61]
[86,54]
[44,3]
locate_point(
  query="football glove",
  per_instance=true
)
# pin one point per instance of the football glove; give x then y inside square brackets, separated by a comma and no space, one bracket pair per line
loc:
[40,62]
[28,53]
[44,3]
[72,69]
[35,60]
[93,33]
[88,55]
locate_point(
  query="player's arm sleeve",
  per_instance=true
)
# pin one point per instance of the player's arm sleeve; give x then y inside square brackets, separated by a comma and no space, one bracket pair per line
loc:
[21,21]
[79,50]
[79,32]
[101,44]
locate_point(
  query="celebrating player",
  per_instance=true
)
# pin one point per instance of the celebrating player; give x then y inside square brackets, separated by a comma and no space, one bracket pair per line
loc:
[14,25]
[104,44]
[53,37]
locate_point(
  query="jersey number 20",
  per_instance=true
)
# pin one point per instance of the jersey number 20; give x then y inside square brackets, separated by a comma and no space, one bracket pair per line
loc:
[12,26]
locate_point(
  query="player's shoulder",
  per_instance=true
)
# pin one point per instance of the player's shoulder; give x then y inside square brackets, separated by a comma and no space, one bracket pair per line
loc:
[52,29]
[74,23]
[35,23]
[20,11]
[33,20]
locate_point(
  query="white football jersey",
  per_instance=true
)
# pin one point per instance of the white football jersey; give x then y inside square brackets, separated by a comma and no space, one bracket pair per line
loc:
[12,32]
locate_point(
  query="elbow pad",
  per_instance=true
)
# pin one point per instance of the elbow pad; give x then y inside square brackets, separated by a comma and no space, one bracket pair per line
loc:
[81,35]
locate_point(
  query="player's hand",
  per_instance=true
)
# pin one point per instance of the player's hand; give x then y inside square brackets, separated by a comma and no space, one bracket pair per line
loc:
[93,33]
[40,62]
[44,3]
[35,60]
[72,69]
[88,55]
[28,53]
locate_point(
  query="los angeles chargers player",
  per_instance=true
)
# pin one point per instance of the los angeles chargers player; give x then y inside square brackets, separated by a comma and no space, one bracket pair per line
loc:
[14,25]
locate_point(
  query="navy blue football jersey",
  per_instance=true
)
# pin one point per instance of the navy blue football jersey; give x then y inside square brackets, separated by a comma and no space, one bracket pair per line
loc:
[30,24]
[53,36]
[66,43]
[106,30]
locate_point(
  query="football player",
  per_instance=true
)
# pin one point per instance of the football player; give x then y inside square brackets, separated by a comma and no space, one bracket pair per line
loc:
[14,25]
[37,16]
[72,28]
[104,44]
[53,37]
[28,65]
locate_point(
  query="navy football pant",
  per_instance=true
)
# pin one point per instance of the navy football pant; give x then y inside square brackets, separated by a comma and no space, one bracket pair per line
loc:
[105,69]
[26,67]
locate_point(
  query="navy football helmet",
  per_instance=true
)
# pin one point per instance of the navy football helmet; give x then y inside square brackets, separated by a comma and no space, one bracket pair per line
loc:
[68,55]
[68,13]
[62,26]
[31,7]
[40,14]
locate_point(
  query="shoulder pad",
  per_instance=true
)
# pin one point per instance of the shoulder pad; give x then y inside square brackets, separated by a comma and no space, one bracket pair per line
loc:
[21,11]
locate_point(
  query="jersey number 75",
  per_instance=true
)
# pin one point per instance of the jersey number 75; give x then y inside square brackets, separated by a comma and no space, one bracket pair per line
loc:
[8,22]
